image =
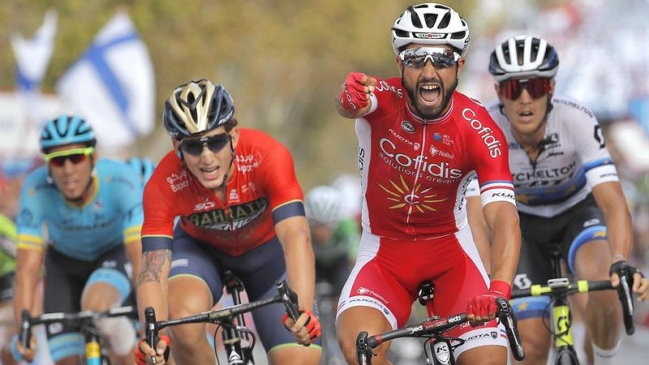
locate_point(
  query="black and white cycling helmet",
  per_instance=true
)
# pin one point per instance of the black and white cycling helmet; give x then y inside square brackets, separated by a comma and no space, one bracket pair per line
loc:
[523,56]
[197,107]
[431,24]
[324,205]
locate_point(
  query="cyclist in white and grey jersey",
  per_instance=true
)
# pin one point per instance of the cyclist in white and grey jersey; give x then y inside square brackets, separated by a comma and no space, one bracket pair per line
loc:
[570,159]
[567,193]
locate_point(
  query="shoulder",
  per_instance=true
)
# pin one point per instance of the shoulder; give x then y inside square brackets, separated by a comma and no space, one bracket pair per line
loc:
[493,106]
[36,179]
[569,106]
[470,112]
[257,141]
[114,167]
[254,136]
[117,173]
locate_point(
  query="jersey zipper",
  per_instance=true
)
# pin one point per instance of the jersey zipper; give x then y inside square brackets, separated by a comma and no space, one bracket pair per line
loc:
[420,165]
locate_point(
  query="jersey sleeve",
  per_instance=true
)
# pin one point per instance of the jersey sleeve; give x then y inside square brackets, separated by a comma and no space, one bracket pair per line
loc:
[159,215]
[281,184]
[386,94]
[473,189]
[488,154]
[589,141]
[30,214]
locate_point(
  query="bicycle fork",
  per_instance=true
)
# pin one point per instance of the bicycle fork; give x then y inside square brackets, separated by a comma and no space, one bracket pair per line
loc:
[232,344]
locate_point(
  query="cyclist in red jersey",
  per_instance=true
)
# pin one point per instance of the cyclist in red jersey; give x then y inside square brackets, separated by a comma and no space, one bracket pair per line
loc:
[240,208]
[420,144]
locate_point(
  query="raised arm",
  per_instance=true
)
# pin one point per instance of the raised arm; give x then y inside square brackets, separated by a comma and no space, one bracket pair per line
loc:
[353,99]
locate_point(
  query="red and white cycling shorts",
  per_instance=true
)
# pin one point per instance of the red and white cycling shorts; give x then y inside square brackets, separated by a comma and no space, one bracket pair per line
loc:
[388,272]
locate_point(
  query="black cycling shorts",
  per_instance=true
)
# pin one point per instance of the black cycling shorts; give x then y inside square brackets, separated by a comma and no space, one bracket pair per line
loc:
[562,234]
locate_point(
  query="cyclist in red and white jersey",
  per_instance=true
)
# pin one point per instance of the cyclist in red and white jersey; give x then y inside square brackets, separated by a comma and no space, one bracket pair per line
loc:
[240,208]
[567,192]
[420,143]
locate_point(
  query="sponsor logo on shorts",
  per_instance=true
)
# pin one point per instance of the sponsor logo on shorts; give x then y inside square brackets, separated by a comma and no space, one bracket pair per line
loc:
[179,263]
[364,291]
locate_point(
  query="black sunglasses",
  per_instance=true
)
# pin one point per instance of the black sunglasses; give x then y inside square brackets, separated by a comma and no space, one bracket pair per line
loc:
[214,143]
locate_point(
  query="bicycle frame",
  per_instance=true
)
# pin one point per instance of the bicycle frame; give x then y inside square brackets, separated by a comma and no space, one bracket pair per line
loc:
[558,289]
[233,333]
[224,317]
[94,351]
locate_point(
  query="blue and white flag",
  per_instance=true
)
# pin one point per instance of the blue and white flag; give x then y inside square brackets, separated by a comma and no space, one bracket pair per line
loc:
[112,85]
[23,111]
[33,55]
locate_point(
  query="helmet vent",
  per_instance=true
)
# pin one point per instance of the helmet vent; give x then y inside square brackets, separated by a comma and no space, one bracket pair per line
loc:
[458,35]
[446,20]
[414,18]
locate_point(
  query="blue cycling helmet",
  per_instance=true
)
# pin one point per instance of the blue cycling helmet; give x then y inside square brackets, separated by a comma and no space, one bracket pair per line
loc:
[66,130]
[143,165]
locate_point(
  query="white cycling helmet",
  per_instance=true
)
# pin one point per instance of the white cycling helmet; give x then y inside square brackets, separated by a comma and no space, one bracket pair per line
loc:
[324,205]
[431,24]
[523,56]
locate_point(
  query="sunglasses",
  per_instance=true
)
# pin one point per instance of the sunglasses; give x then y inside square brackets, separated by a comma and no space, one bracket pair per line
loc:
[536,87]
[76,155]
[440,57]
[214,143]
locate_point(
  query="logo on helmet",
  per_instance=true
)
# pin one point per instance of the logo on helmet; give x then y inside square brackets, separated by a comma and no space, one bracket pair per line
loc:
[429,35]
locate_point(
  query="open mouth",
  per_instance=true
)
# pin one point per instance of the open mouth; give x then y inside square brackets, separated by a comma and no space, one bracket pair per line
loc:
[525,115]
[210,173]
[430,93]
[70,185]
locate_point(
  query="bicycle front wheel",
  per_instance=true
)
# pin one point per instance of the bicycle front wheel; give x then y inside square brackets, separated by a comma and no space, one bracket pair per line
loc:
[567,357]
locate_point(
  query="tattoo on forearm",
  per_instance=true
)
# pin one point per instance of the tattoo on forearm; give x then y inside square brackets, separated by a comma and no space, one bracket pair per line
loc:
[152,262]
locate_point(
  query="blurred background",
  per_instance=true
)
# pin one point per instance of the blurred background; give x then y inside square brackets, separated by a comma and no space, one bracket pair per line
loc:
[115,62]
[283,62]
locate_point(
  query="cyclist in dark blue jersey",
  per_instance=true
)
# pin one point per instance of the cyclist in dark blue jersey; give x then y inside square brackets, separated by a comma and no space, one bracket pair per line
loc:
[92,211]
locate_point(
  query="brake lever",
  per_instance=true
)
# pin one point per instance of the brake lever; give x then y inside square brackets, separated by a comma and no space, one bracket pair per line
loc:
[150,328]
[363,351]
[508,319]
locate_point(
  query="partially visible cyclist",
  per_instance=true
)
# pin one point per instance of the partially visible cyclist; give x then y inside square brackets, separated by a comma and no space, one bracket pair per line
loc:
[567,194]
[9,201]
[91,208]
[334,235]
[7,272]
[142,165]
[241,209]
[421,141]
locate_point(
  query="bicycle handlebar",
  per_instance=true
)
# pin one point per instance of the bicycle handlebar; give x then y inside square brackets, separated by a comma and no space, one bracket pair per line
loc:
[568,287]
[436,326]
[286,296]
[78,317]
